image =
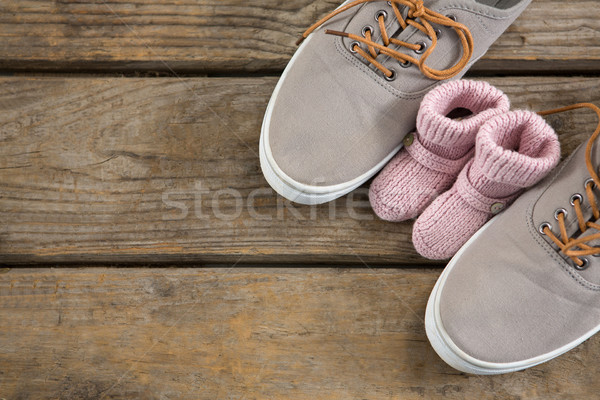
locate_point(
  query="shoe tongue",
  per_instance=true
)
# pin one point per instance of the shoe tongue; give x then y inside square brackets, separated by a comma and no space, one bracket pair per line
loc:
[395,28]
[446,54]
[366,17]
[592,272]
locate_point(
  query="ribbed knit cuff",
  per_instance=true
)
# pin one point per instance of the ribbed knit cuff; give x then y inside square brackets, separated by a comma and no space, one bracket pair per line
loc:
[517,148]
[481,98]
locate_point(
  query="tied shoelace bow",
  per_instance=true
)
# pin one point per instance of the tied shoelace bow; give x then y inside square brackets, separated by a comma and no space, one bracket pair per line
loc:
[575,249]
[416,10]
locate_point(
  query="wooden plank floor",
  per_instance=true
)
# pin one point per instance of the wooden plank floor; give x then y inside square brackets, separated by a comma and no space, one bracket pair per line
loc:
[257,36]
[129,168]
[229,333]
[165,169]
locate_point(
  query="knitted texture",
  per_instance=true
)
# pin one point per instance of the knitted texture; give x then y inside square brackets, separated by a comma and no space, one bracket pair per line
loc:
[513,151]
[440,149]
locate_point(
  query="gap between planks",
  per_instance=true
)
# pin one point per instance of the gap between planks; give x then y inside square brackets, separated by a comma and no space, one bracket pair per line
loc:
[233,36]
[114,170]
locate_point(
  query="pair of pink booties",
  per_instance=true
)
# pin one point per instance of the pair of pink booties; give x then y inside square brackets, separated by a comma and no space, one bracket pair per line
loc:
[457,173]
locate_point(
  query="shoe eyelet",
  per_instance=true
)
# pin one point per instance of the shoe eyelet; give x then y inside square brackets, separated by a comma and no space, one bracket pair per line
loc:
[421,50]
[560,211]
[543,226]
[391,77]
[576,196]
[366,28]
[451,16]
[405,64]
[438,33]
[381,13]
[389,3]
[352,46]
[588,181]
[583,266]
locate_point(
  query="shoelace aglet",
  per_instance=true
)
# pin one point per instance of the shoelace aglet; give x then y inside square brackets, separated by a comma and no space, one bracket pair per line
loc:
[300,40]
[337,33]
[328,32]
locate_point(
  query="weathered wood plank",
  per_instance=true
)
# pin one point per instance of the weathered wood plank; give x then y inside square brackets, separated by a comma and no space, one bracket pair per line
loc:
[99,333]
[237,35]
[166,170]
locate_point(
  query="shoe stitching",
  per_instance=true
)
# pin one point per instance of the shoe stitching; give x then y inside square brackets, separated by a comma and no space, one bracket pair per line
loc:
[376,78]
[478,14]
[483,24]
[547,247]
[577,248]
[474,11]
[419,17]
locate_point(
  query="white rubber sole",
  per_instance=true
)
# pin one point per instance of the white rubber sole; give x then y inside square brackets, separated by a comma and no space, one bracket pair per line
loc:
[290,188]
[458,359]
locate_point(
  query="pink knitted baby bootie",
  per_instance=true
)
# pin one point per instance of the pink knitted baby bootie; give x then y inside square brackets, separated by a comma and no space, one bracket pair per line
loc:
[513,151]
[434,155]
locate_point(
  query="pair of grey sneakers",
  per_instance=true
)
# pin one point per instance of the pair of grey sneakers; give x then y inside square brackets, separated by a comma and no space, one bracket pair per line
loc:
[526,287]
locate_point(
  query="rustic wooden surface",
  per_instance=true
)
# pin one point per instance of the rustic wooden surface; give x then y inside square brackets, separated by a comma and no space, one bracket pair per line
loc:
[101,333]
[89,169]
[133,171]
[225,36]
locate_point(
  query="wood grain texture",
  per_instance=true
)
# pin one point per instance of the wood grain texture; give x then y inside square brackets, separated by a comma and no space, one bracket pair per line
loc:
[99,333]
[227,36]
[166,170]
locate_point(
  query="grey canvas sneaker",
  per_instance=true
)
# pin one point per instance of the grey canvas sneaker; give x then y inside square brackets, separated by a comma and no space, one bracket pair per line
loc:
[526,287]
[352,90]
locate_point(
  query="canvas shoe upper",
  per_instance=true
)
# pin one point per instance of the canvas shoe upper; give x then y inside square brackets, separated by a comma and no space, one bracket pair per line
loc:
[525,288]
[337,116]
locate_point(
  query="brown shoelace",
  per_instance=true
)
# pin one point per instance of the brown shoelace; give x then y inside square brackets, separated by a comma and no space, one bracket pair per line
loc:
[425,16]
[578,248]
